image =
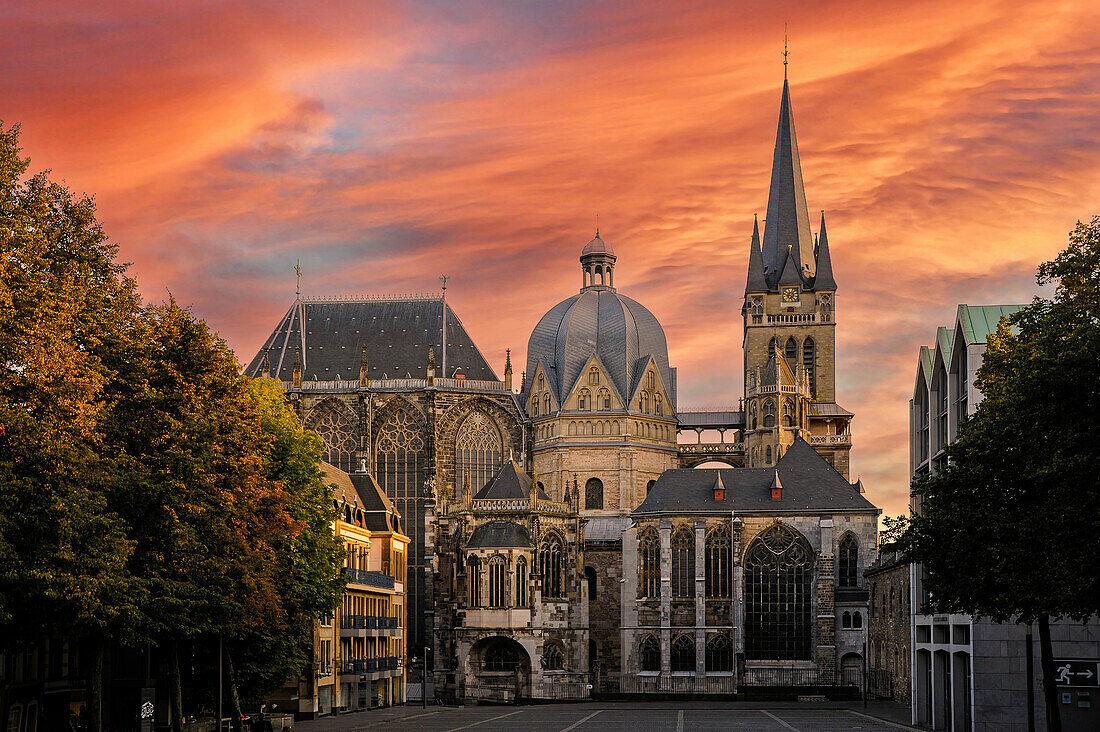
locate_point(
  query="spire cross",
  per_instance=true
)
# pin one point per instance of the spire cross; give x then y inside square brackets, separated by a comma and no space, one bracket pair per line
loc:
[597,225]
[786,52]
[298,278]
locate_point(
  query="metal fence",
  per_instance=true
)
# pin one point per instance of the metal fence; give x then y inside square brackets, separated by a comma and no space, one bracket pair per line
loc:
[677,685]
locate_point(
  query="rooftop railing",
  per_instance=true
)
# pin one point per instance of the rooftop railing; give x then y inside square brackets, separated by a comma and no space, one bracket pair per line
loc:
[370,578]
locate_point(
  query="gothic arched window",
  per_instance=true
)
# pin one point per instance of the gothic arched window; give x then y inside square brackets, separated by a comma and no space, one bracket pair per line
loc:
[650,652]
[769,414]
[791,349]
[584,400]
[683,654]
[546,403]
[399,460]
[809,360]
[788,413]
[718,562]
[473,580]
[645,402]
[683,563]
[768,455]
[604,400]
[771,348]
[719,653]
[478,451]
[551,567]
[649,557]
[333,424]
[857,619]
[521,582]
[778,593]
[552,657]
[752,415]
[649,486]
[657,404]
[498,582]
[846,620]
[593,376]
[593,494]
[848,564]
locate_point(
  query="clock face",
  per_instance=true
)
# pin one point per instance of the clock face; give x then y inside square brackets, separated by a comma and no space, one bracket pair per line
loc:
[790,294]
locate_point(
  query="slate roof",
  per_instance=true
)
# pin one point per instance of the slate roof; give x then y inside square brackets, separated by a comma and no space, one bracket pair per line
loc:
[809,484]
[829,409]
[397,334]
[509,482]
[978,321]
[606,528]
[754,281]
[363,492]
[706,419]
[787,222]
[823,279]
[500,534]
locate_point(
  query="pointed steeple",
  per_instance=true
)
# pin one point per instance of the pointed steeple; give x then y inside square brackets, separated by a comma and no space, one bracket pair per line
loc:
[824,279]
[788,222]
[788,275]
[755,281]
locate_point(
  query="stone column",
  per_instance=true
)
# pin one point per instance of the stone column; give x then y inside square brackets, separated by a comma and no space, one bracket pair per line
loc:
[826,608]
[666,596]
[628,612]
[700,598]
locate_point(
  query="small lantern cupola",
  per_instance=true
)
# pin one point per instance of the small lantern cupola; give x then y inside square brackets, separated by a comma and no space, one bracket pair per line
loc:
[719,488]
[597,265]
[777,487]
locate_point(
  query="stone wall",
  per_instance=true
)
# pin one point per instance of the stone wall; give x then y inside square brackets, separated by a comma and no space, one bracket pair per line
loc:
[889,646]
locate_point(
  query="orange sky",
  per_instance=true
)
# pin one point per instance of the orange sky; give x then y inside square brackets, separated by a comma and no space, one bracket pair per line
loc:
[952,145]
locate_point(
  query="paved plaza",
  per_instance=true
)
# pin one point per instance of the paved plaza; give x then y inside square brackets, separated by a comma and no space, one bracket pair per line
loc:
[609,716]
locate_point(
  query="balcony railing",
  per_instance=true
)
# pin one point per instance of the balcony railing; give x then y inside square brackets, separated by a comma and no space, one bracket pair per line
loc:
[369,578]
[711,448]
[371,665]
[831,439]
[409,384]
[368,622]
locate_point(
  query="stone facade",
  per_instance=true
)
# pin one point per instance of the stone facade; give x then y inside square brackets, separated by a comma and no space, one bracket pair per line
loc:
[889,646]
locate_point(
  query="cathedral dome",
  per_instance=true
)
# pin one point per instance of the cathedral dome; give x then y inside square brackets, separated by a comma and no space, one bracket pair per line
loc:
[598,321]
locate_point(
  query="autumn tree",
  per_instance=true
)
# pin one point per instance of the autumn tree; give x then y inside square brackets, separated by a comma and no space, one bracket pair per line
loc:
[1010,528]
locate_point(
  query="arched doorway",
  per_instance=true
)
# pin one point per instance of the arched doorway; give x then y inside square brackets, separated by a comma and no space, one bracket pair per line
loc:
[498,669]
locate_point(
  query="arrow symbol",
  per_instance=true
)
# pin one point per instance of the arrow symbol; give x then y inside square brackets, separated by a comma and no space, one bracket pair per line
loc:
[1086,674]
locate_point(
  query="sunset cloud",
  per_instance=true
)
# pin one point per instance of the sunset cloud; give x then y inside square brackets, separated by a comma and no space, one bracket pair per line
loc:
[952,146]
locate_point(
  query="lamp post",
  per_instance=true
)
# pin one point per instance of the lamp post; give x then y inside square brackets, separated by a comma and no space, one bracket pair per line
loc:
[424,678]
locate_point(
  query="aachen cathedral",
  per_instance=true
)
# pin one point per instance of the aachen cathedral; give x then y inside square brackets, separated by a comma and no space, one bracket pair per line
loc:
[564,539]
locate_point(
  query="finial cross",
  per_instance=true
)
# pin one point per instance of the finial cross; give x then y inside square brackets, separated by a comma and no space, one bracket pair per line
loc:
[786,52]
[298,278]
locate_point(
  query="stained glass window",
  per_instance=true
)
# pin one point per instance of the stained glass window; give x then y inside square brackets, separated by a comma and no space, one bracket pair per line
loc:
[478,450]
[651,654]
[333,423]
[719,653]
[778,586]
[848,563]
[551,567]
[521,582]
[649,557]
[593,494]
[718,562]
[683,563]
[498,582]
[683,653]
[552,657]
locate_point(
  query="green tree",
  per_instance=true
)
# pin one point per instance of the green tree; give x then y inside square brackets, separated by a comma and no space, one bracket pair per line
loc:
[66,307]
[1010,529]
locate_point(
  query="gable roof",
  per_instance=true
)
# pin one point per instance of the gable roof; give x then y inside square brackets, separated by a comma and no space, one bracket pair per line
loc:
[396,332]
[500,535]
[809,484]
[978,321]
[509,482]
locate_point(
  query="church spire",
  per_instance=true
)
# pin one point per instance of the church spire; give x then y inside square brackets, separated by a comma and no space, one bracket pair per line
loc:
[755,281]
[824,279]
[787,221]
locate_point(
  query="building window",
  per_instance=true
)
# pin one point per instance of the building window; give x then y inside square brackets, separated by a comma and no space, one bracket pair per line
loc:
[651,381]
[846,620]
[718,562]
[651,654]
[473,575]
[768,455]
[552,657]
[604,402]
[593,494]
[790,352]
[778,589]
[719,653]
[644,399]
[551,567]
[590,577]
[789,413]
[771,348]
[478,450]
[809,360]
[752,414]
[593,376]
[849,561]
[501,656]
[769,414]
[546,403]
[683,654]
[334,424]
[649,556]
[542,382]
[657,404]
[521,582]
[857,619]
[583,401]
[498,582]
[649,486]
[683,563]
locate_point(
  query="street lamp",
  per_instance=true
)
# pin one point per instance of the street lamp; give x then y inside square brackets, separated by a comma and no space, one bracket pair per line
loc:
[424,678]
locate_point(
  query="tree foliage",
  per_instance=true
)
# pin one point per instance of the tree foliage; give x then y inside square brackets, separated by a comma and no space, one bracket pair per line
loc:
[1010,528]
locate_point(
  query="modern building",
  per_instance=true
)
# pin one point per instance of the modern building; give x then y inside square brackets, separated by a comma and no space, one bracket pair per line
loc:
[359,651]
[970,674]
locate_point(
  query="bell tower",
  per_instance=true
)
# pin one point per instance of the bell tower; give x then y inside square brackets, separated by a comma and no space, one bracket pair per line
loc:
[790,322]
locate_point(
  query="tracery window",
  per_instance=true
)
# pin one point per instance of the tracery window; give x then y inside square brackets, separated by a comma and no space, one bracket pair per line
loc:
[498,582]
[593,376]
[778,586]
[399,457]
[334,426]
[809,360]
[788,412]
[473,579]
[649,556]
[593,494]
[791,350]
[478,450]
[551,567]
[603,400]
[521,582]
[719,561]
[848,564]
[584,401]
[683,563]
[552,657]
[769,414]
[657,404]
[719,653]
[651,654]
[683,654]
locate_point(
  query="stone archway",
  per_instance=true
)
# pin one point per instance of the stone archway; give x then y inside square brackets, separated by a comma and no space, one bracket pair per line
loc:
[498,669]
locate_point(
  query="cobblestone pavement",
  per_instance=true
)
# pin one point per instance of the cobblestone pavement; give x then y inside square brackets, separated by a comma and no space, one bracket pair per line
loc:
[611,716]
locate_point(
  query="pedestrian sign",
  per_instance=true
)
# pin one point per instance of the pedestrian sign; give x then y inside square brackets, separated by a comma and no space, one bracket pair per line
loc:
[1076,672]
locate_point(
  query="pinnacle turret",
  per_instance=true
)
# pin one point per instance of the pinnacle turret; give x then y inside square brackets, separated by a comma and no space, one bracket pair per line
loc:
[824,279]
[755,281]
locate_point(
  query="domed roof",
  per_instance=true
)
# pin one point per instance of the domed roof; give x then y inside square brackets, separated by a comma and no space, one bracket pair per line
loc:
[621,332]
[500,535]
[597,246]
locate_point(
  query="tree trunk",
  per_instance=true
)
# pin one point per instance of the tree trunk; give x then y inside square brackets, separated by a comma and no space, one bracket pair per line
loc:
[95,686]
[234,697]
[175,687]
[1050,692]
